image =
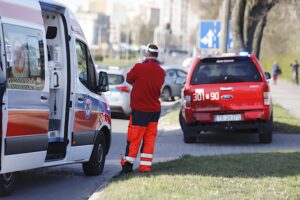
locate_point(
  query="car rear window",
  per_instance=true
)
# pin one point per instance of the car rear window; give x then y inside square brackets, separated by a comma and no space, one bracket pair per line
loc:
[225,70]
[115,79]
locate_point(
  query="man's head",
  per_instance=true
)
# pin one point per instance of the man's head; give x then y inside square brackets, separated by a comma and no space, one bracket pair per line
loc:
[151,51]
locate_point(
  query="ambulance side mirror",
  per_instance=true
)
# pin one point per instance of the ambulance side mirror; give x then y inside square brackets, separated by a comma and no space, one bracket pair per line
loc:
[103,82]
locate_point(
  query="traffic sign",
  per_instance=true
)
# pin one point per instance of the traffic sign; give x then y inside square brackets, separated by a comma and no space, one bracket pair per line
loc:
[209,35]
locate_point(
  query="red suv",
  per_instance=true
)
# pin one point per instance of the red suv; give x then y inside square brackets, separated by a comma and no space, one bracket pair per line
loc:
[224,93]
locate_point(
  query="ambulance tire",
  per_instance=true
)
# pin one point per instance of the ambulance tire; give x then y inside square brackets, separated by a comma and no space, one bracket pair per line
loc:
[95,165]
[7,183]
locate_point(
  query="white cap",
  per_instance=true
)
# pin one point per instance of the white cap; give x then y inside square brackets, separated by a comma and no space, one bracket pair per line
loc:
[152,50]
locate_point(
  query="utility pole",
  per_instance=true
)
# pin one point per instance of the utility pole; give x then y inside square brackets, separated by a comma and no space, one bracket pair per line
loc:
[225,25]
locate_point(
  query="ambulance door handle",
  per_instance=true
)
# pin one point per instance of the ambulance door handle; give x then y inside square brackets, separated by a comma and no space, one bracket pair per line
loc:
[44,98]
[80,99]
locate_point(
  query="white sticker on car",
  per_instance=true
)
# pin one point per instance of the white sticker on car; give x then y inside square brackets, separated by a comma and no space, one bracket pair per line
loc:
[200,95]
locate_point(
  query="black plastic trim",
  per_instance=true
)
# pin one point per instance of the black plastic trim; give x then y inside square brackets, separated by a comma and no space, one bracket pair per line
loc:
[83,138]
[26,144]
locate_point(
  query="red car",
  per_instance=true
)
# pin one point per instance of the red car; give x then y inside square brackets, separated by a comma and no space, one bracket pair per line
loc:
[225,93]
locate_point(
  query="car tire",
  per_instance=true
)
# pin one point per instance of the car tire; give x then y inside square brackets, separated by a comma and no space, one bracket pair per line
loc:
[166,94]
[172,98]
[266,132]
[7,183]
[95,165]
[189,136]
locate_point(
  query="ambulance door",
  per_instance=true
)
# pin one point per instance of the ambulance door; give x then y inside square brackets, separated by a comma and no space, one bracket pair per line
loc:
[86,104]
[25,110]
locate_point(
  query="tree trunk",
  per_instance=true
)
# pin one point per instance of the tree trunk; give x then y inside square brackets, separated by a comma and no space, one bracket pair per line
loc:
[249,20]
[238,24]
[258,36]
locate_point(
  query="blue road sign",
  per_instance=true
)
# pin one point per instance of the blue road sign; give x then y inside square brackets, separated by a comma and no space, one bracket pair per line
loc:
[209,35]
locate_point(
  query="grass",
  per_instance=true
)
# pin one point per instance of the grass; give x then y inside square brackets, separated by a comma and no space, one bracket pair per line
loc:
[246,176]
[284,62]
[170,118]
[284,122]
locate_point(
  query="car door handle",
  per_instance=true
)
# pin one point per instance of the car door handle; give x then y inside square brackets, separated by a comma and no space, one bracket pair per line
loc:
[80,99]
[44,98]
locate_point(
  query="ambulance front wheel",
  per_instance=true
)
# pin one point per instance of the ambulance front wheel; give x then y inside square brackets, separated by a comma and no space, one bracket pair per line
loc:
[7,183]
[95,165]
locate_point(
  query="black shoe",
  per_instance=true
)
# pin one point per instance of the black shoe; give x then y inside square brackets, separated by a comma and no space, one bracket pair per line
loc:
[126,170]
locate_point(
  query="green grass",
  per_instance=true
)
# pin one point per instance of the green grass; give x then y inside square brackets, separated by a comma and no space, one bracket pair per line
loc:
[117,62]
[246,176]
[170,118]
[284,62]
[284,122]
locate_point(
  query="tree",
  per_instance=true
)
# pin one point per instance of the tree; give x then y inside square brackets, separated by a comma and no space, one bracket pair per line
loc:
[207,9]
[249,18]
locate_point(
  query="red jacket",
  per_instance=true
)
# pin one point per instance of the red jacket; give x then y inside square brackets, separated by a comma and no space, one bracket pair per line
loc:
[147,79]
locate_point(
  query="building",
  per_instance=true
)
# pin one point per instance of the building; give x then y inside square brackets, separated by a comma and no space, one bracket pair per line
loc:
[96,28]
[177,25]
[98,6]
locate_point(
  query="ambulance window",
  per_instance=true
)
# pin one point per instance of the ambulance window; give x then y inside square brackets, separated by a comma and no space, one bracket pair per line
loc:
[24,52]
[81,51]
[86,69]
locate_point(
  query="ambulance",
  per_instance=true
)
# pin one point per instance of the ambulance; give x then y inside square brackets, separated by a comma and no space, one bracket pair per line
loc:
[53,108]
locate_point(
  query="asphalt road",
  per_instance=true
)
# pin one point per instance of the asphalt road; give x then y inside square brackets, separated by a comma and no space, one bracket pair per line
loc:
[68,182]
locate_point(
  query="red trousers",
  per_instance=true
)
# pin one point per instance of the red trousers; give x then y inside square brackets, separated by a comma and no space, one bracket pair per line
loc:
[142,127]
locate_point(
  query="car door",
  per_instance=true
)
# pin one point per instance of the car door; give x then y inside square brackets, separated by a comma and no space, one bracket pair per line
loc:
[25,110]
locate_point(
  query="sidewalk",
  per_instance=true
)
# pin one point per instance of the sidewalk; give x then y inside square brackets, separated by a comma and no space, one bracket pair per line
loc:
[287,95]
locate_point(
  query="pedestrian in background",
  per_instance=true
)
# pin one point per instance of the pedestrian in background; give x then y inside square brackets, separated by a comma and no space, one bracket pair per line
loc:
[147,79]
[276,71]
[295,67]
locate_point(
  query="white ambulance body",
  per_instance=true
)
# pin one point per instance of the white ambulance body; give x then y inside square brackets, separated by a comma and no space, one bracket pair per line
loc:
[53,110]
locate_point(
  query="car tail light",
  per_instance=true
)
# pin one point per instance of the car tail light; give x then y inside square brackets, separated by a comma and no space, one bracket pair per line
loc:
[123,89]
[267,98]
[187,101]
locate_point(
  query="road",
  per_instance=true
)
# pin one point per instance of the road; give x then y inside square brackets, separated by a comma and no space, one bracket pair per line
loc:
[69,182]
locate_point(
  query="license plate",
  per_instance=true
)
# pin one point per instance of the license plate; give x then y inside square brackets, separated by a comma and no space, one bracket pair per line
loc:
[228,118]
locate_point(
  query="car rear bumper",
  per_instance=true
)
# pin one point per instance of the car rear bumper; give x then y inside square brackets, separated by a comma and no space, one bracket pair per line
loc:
[120,109]
[248,116]
[227,126]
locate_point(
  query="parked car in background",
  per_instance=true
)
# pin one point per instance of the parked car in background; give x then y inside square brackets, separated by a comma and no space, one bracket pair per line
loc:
[118,95]
[224,93]
[170,89]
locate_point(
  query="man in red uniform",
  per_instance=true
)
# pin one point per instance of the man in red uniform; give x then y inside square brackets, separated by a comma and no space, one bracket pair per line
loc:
[147,79]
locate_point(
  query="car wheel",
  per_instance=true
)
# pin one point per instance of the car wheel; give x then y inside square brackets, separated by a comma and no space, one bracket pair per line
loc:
[166,94]
[95,165]
[189,136]
[172,98]
[266,132]
[7,183]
